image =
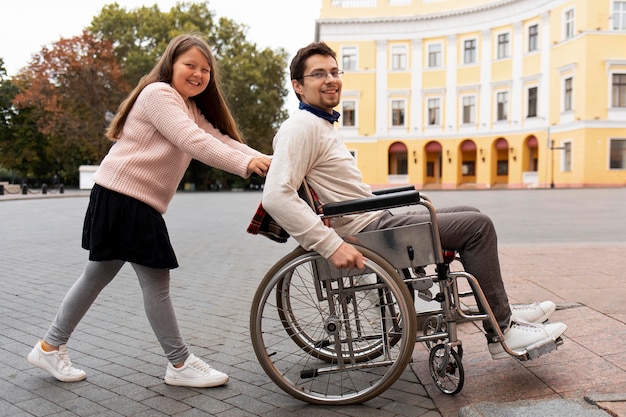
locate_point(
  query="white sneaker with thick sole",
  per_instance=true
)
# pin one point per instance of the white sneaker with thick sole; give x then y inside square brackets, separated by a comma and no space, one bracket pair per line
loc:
[532,313]
[520,335]
[194,373]
[56,362]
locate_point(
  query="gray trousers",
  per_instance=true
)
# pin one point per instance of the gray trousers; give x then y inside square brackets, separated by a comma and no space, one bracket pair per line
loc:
[155,285]
[471,233]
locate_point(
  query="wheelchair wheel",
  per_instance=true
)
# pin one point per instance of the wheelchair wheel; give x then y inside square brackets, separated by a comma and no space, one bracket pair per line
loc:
[330,337]
[362,305]
[446,369]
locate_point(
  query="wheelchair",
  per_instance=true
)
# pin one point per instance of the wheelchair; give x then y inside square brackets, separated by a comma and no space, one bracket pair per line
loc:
[331,336]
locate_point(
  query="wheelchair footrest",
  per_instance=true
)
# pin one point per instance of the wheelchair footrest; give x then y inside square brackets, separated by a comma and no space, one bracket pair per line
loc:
[542,347]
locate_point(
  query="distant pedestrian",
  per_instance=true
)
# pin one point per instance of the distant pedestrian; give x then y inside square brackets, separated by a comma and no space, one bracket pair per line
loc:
[175,114]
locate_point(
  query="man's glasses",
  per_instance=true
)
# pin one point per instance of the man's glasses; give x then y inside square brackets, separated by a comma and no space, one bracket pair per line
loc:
[322,75]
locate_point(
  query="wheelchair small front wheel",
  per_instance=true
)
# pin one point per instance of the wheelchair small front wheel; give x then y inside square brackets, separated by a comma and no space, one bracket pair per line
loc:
[446,369]
[435,325]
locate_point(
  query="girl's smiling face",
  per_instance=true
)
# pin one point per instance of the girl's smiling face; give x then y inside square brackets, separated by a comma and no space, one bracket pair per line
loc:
[191,73]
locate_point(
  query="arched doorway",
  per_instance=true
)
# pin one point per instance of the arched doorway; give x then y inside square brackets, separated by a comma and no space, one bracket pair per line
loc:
[501,152]
[398,167]
[433,164]
[468,162]
[530,162]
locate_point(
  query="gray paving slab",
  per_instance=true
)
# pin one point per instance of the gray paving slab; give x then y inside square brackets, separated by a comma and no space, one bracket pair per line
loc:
[221,265]
[569,408]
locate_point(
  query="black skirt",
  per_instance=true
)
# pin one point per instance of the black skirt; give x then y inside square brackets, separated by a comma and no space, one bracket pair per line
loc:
[121,227]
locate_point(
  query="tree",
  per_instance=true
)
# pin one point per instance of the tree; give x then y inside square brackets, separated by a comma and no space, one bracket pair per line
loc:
[253,80]
[8,91]
[67,90]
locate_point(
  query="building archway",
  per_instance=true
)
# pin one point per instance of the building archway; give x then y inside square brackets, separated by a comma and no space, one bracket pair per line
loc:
[398,167]
[467,150]
[501,152]
[433,165]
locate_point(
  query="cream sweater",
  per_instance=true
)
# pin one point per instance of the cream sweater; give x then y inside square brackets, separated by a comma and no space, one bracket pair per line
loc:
[309,146]
[162,134]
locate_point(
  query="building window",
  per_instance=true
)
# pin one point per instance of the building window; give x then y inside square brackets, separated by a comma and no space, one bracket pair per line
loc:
[567,157]
[619,15]
[348,113]
[397,112]
[503,106]
[532,102]
[434,55]
[502,167]
[398,57]
[568,24]
[617,154]
[348,58]
[468,168]
[469,109]
[434,112]
[503,45]
[469,56]
[619,90]
[567,94]
[533,38]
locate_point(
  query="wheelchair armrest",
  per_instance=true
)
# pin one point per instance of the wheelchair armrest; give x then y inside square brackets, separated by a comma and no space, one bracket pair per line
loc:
[377,202]
[393,190]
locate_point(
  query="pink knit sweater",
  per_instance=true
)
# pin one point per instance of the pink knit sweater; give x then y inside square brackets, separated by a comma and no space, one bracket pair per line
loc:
[162,134]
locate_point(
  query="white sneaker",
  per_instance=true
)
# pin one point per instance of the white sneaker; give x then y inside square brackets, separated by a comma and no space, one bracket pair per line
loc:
[533,313]
[56,362]
[194,373]
[521,335]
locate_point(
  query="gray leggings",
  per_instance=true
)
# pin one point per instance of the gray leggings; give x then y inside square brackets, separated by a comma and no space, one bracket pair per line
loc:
[471,233]
[155,285]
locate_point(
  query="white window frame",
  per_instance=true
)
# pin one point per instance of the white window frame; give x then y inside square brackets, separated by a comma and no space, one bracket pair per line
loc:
[392,109]
[439,55]
[349,58]
[534,37]
[568,23]
[567,156]
[472,109]
[568,94]
[399,57]
[505,107]
[623,156]
[428,111]
[528,88]
[503,52]
[621,90]
[354,111]
[618,15]
[474,51]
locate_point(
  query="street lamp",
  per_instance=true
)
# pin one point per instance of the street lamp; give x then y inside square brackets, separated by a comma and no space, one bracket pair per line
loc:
[552,149]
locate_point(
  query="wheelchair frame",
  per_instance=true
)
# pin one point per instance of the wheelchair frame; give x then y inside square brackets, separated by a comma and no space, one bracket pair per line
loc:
[334,337]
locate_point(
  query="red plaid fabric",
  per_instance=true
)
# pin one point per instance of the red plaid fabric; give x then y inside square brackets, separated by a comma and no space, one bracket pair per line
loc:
[263,224]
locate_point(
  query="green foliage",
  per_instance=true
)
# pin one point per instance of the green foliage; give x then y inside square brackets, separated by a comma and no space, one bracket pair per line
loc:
[52,113]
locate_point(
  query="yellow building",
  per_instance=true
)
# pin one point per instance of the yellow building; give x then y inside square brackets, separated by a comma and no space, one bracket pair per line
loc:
[482,93]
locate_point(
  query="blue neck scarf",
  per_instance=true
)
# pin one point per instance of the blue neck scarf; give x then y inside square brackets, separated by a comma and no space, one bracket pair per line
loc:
[331,118]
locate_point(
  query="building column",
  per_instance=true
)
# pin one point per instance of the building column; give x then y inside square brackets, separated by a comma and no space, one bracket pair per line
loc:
[382,114]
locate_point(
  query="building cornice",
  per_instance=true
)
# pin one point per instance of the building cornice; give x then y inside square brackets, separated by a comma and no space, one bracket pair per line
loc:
[446,23]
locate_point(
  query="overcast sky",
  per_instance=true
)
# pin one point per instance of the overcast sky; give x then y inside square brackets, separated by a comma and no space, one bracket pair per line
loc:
[27,25]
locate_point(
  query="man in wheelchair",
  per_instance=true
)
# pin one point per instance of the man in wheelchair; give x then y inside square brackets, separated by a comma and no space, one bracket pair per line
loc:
[307,146]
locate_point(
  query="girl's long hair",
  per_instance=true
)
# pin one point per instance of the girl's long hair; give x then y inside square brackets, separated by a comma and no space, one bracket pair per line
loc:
[210,102]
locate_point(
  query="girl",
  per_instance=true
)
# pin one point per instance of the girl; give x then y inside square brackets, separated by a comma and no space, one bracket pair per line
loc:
[177,112]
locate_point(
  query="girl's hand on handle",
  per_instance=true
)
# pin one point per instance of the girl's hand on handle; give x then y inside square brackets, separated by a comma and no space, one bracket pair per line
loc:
[259,165]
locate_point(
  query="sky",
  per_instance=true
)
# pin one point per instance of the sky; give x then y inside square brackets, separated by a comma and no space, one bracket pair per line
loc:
[27,25]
